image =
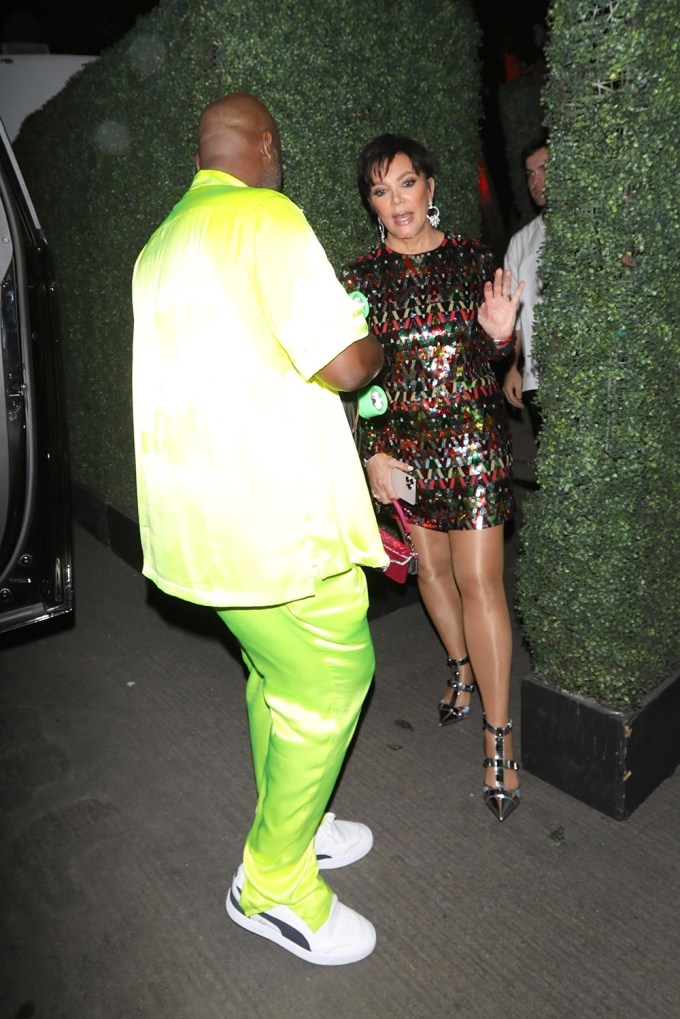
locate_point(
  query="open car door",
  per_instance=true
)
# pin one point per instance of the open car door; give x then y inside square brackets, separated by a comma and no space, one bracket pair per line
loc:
[36,581]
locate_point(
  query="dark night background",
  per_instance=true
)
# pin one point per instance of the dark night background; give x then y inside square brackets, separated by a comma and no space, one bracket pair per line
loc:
[81,28]
[513,39]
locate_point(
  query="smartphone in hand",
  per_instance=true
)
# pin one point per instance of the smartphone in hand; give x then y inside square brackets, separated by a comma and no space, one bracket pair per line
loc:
[404,485]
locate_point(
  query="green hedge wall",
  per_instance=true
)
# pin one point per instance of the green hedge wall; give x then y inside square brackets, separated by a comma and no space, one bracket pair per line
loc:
[598,584]
[107,158]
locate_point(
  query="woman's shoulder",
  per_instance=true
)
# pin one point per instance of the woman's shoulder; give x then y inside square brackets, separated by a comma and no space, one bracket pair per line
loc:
[363,263]
[467,245]
[467,253]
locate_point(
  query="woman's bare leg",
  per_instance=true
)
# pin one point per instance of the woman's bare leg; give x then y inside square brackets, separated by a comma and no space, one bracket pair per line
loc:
[441,597]
[460,579]
[477,558]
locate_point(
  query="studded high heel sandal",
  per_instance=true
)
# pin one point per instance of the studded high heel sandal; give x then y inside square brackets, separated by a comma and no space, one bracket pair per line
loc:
[448,711]
[499,800]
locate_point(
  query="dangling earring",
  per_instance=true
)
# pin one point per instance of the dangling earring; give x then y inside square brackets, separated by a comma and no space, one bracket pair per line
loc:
[381,231]
[433,215]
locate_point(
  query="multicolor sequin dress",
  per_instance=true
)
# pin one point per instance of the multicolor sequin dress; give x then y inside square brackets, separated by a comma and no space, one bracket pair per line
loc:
[446,413]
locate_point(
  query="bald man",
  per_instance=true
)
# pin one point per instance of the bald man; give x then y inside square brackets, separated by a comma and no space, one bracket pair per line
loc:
[252,500]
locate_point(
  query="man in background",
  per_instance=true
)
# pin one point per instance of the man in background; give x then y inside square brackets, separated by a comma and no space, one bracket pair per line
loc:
[252,500]
[523,260]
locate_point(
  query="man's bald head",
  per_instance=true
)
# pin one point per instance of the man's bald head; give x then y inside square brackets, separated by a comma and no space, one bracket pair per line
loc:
[237,134]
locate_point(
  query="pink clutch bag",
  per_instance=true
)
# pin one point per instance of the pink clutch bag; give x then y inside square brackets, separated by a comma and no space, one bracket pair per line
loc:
[403,556]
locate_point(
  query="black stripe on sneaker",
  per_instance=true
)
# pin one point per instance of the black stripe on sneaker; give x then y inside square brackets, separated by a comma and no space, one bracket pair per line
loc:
[235,900]
[288,931]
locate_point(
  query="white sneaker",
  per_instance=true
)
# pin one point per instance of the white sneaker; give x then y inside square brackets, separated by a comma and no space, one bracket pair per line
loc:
[338,843]
[345,937]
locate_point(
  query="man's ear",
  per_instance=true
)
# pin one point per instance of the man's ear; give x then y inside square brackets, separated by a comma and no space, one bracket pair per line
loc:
[266,145]
[197,162]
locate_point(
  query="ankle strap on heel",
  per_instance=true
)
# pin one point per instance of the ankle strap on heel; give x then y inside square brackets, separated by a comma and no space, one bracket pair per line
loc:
[455,665]
[499,762]
[497,731]
[455,662]
[500,800]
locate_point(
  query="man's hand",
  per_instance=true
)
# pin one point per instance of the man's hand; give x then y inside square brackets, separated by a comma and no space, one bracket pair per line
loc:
[512,387]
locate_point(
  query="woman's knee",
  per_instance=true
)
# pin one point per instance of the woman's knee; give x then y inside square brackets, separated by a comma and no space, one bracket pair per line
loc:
[477,558]
[480,587]
[434,556]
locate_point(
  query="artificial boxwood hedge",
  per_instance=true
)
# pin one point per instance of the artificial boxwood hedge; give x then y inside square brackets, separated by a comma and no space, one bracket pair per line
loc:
[598,585]
[106,158]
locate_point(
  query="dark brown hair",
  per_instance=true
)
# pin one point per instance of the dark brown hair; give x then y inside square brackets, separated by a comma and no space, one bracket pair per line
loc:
[540,142]
[380,152]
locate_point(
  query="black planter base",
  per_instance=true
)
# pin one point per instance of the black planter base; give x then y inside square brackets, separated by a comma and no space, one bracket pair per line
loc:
[608,759]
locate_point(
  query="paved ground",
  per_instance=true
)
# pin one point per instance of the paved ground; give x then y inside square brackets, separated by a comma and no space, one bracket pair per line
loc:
[127,792]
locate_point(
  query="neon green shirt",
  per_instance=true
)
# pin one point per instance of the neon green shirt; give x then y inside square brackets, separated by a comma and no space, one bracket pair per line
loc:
[249,484]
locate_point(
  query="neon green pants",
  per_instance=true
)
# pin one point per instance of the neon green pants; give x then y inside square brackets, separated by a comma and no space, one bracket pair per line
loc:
[311,663]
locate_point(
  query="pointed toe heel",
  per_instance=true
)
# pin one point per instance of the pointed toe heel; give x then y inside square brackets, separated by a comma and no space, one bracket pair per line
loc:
[500,800]
[449,712]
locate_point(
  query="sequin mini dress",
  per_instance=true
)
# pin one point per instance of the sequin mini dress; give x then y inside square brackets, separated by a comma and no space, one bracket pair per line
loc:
[446,414]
